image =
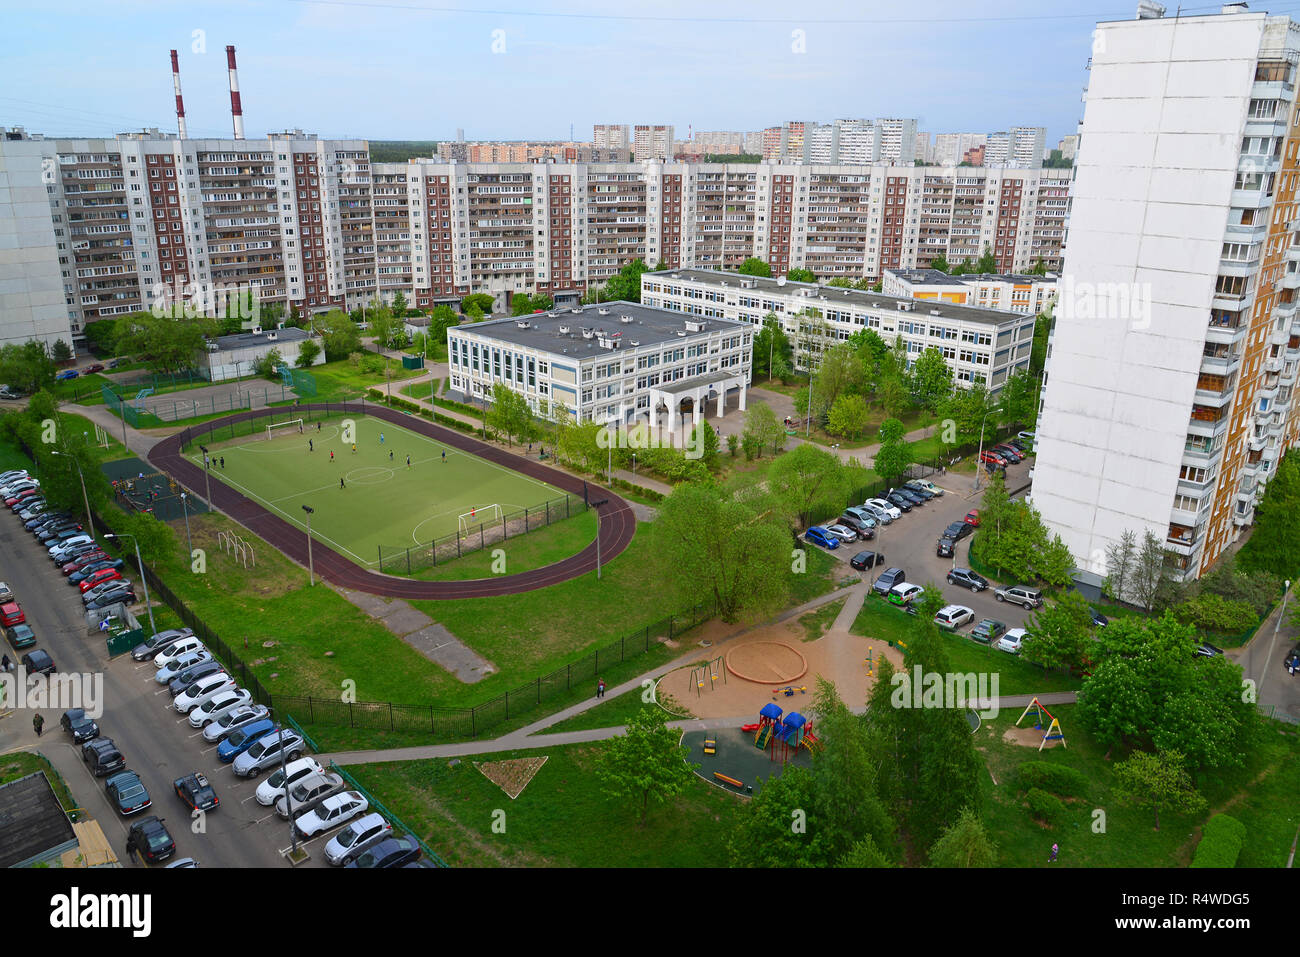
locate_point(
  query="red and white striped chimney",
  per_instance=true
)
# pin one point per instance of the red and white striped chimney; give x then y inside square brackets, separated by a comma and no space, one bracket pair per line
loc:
[180,104]
[236,110]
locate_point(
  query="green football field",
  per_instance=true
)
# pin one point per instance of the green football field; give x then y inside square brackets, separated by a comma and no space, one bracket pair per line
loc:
[380,500]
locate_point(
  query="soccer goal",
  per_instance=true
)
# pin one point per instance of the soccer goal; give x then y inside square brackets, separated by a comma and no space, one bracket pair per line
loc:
[480,515]
[291,425]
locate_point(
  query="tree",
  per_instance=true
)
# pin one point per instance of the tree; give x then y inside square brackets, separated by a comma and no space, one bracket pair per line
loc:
[987,263]
[765,837]
[382,327]
[509,414]
[892,395]
[1157,782]
[1274,543]
[1121,556]
[761,424]
[772,351]
[932,378]
[800,275]
[754,266]
[307,354]
[339,335]
[1039,268]
[268,366]
[940,262]
[864,854]
[646,761]
[848,416]
[482,300]
[965,843]
[474,313]
[399,304]
[744,572]
[26,367]
[522,304]
[838,372]
[806,481]
[1017,402]
[705,438]
[1148,570]
[165,344]
[1054,564]
[154,538]
[1062,634]
[101,336]
[893,457]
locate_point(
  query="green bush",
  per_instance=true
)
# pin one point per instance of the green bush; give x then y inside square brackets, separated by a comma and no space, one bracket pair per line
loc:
[1056,778]
[1222,839]
[1211,612]
[1048,808]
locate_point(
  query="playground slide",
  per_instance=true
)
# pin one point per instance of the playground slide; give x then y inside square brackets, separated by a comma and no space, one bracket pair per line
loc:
[749,727]
[760,740]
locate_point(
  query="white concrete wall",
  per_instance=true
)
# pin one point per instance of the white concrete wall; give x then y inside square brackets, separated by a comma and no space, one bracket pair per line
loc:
[32,303]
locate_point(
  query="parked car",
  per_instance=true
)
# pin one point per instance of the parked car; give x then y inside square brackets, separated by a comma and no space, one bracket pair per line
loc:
[66,374]
[967,579]
[68,547]
[149,838]
[219,707]
[268,751]
[916,488]
[243,739]
[843,533]
[92,567]
[276,782]
[912,496]
[104,761]
[173,668]
[308,794]
[361,834]
[887,580]
[93,367]
[1098,619]
[91,594]
[196,791]
[864,531]
[99,578]
[1292,661]
[819,536]
[899,501]
[958,530]
[1030,437]
[1012,641]
[390,852]
[12,475]
[863,514]
[82,562]
[177,648]
[954,616]
[1012,455]
[904,593]
[94,746]
[1020,595]
[972,518]
[333,812]
[207,687]
[864,560]
[151,646]
[192,673]
[990,457]
[893,511]
[82,728]
[945,548]
[1021,445]
[925,484]
[988,630]
[1207,650]
[128,792]
[20,637]
[11,613]
[38,662]
[237,720]
[124,595]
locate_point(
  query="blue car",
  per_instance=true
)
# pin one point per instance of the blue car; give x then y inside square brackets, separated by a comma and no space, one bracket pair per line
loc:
[819,536]
[67,374]
[243,739]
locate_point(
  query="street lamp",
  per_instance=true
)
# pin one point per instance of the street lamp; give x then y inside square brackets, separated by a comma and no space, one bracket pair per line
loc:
[634,465]
[311,569]
[84,497]
[185,509]
[609,465]
[288,792]
[207,473]
[153,629]
[979,464]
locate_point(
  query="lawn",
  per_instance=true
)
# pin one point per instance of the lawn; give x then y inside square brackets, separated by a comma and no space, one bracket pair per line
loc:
[421,390]
[816,623]
[522,553]
[612,713]
[387,487]
[344,379]
[564,818]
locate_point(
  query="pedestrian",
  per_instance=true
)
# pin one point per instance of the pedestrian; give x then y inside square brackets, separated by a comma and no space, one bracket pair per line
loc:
[1052,859]
[300,428]
[38,723]
[317,426]
[390,455]
[408,461]
[600,687]
[444,456]
[341,485]
[530,448]
[354,448]
[4,663]
[381,438]
[223,461]
[310,446]
[205,463]
[331,455]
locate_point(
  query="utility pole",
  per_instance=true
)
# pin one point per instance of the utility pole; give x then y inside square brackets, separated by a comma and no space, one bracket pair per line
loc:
[311,568]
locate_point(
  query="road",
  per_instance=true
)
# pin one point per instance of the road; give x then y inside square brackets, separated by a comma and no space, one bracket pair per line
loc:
[158,742]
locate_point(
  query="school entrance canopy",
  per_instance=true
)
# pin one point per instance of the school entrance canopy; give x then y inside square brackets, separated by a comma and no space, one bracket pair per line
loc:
[690,395]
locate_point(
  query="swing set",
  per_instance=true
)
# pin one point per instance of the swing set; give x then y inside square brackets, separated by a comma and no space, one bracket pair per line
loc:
[1053,732]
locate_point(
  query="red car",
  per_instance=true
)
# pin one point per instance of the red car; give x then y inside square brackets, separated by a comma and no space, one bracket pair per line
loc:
[101,576]
[973,518]
[82,561]
[22,496]
[990,457]
[97,367]
[11,614]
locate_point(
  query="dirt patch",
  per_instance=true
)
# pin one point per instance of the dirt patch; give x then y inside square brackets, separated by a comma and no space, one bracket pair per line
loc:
[1028,738]
[511,775]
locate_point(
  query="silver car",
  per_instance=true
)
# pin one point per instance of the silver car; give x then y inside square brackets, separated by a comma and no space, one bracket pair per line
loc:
[308,793]
[842,532]
[357,837]
[216,730]
[175,667]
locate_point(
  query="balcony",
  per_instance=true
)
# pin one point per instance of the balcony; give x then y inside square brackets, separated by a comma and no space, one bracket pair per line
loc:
[1182,539]
[1250,198]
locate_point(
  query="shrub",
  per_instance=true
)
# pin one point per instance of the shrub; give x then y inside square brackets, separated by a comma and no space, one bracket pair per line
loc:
[1222,839]
[1056,778]
[1045,807]
[1212,612]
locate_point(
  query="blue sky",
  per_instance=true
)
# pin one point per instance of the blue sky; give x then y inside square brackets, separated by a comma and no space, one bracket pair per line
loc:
[405,70]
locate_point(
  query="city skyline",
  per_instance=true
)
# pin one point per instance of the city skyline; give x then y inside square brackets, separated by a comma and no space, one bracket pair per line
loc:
[390,78]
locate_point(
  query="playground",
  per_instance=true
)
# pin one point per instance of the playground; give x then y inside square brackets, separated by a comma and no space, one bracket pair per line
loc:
[731,758]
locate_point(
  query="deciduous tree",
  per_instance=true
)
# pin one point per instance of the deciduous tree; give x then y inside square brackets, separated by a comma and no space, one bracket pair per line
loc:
[646,762]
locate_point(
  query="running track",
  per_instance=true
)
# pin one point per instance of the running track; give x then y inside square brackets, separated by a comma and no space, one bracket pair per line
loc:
[615,529]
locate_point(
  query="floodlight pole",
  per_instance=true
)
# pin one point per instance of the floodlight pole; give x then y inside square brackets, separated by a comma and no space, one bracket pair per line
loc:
[311,568]
[153,629]
[186,510]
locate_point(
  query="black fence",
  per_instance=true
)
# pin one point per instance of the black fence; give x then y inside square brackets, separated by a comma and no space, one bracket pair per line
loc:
[448,548]
[206,432]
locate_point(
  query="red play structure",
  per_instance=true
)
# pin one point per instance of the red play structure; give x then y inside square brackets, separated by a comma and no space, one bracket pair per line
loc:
[783,735]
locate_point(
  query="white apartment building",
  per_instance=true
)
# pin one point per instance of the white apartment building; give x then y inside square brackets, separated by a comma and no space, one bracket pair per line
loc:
[612,136]
[619,362]
[1169,386]
[652,143]
[949,148]
[1030,294]
[979,343]
[1020,148]
[32,302]
[897,141]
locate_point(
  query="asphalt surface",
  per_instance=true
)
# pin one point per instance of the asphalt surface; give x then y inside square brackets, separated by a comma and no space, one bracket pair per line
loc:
[158,742]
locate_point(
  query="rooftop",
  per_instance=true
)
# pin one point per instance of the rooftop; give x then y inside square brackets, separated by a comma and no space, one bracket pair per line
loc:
[935,277]
[565,331]
[32,823]
[249,340]
[824,296]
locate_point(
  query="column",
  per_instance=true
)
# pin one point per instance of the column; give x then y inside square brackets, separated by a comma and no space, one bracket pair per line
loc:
[743,391]
[722,399]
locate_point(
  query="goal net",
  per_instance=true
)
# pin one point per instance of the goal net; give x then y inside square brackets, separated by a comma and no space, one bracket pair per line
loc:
[480,515]
[294,425]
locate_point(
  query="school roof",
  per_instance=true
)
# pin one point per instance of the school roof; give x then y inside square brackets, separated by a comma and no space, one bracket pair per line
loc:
[32,822]
[268,337]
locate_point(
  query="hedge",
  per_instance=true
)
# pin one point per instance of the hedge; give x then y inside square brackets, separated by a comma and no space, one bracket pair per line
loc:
[1056,778]
[1048,808]
[1222,839]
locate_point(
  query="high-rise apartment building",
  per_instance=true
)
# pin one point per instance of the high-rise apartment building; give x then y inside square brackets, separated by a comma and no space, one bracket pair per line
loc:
[896,139]
[924,151]
[1169,387]
[612,136]
[32,299]
[1019,148]
[652,143]
[950,148]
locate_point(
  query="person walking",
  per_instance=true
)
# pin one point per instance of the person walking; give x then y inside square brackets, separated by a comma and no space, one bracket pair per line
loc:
[390,455]
[600,687]
[331,455]
[310,446]
[1055,849]
[408,461]
[223,462]
[317,426]
[38,723]
[341,485]
[381,438]
[354,448]
[299,426]
[4,663]
[444,456]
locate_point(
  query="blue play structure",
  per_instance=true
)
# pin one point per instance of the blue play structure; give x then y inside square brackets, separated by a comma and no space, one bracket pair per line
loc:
[787,734]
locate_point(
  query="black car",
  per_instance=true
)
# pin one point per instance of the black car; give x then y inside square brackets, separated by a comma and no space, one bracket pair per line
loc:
[193,674]
[864,560]
[32,524]
[899,501]
[1012,455]
[888,579]
[128,791]
[94,746]
[1098,619]
[38,661]
[149,838]
[124,595]
[865,531]
[195,790]
[957,531]
[59,533]
[1207,650]
[150,647]
[83,729]
[106,761]
[966,578]
[945,548]
[1292,661]
[390,852]
[909,494]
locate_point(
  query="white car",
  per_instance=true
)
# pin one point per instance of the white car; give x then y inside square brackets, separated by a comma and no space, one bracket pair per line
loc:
[216,730]
[177,665]
[219,707]
[20,484]
[954,616]
[361,834]
[925,484]
[203,690]
[333,811]
[181,646]
[1012,641]
[842,532]
[57,552]
[273,787]
[889,508]
[904,593]
[13,475]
